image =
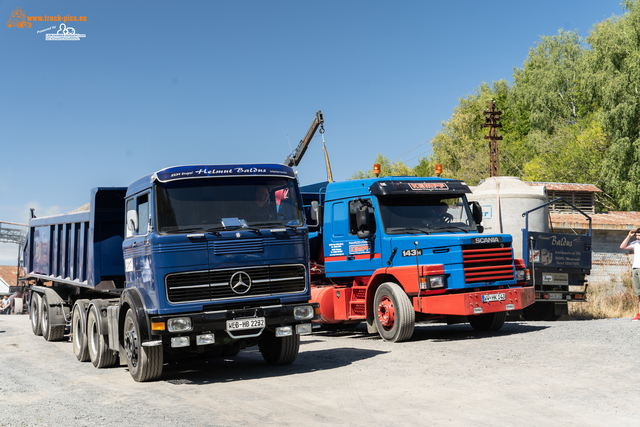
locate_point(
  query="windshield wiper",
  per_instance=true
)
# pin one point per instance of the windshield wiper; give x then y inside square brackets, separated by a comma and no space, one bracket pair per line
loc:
[218,229]
[277,223]
[407,229]
[451,227]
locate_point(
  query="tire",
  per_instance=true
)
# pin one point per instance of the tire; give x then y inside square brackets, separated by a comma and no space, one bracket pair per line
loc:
[539,311]
[98,345]
[35,310]
[49,332]
[279,351]
[80,345]
[145,363]
[487,322]
[393,313]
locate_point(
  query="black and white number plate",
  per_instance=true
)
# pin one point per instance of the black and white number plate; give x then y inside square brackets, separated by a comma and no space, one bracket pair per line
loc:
[412,252]
[240,324]
[494,297]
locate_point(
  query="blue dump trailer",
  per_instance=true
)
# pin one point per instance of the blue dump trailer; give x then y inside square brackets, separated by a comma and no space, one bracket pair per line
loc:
[191,261]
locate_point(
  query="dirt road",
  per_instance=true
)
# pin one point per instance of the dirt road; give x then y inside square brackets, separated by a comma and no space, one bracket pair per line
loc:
[582,373]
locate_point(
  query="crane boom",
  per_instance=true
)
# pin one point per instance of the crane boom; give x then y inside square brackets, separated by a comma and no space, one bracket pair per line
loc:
[296,156]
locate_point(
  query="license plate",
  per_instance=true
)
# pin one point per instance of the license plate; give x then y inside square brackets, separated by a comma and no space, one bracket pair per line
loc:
[494,297]
[555,296]
[241,324]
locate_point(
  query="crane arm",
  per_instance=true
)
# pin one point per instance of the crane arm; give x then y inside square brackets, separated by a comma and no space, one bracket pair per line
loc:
[296,156]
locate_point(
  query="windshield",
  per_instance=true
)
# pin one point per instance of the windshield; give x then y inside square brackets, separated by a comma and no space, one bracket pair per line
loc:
[402,214]
[215,204]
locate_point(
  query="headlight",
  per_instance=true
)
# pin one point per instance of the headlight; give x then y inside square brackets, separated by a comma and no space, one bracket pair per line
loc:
[436,282]
[304,312]
[179,324]
[522,275]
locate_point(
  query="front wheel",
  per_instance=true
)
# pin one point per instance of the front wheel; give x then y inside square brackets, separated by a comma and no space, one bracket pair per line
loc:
[488,322]
[279,351]
[393,312]
[145,363]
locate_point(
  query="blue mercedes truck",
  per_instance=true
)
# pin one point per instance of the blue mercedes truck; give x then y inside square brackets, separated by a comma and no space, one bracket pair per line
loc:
[190,261]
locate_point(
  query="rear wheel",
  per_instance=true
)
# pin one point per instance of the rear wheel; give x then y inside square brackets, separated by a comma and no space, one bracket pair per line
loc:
[49,332]
[98,346]
[145,363]
[279,351]
[488,321]
[393,313]
[35,310]
[80,347]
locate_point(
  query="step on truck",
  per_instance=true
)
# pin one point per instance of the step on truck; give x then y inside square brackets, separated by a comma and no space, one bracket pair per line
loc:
[394,251]
[191,261]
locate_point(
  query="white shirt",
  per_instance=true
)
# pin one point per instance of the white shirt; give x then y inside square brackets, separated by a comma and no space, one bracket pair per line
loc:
[635,245]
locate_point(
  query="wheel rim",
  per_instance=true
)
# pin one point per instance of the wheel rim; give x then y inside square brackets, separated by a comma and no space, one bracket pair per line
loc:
[77,326]
[94,338]
[131,346]
[386,313]
[34,312]
[45,316]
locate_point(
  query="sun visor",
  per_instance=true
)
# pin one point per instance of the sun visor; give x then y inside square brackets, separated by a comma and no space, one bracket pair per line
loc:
[425,186]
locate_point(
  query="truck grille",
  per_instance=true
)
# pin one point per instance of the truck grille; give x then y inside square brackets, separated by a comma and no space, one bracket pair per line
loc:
[248,282]
[489,263]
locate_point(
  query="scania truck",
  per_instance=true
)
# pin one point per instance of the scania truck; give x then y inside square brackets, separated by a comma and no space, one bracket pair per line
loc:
[189,261]
[393,251]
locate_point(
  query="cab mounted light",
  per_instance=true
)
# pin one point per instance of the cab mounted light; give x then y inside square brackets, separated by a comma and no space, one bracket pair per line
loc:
[376,169]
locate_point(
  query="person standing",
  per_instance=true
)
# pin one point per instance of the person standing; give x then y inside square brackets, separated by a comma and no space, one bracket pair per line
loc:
[6,305]
[635,268]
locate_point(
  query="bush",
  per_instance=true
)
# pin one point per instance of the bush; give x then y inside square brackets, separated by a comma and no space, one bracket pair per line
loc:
[606,300]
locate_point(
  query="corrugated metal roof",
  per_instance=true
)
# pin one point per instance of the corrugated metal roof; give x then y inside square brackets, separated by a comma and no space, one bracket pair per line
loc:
[8,274]
[559,186]
[615,220]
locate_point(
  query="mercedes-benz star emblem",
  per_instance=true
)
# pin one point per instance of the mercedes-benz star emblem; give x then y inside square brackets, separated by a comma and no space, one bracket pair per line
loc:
[240,283]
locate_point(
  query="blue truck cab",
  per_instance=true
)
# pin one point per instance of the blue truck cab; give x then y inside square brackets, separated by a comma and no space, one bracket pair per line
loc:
[395,250]
[189,261]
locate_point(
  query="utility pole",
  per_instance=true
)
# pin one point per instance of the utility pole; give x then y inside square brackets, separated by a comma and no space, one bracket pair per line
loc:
[493,122]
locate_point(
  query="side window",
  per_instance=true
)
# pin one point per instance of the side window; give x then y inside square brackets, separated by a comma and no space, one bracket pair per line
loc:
[143,214]
[361,217]
[130,208]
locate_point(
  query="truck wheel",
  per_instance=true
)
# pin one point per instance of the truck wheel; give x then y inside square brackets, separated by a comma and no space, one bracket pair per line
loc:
[145,363]
[35,310]
[97,345]
[49,332]
[487,322]
[279,351]
[80,347]
[393,313]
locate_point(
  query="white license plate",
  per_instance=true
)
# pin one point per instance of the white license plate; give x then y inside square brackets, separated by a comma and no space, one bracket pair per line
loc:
[241,324]
[494,297]
[555,296]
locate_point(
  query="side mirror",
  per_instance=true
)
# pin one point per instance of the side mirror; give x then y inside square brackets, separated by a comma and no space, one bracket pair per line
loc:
[362,222]
[315,210]
[477,215]
[132,222]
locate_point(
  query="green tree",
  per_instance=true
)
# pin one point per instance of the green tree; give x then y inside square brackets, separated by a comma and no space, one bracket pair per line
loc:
[614,66]
[550,86]
[387,168]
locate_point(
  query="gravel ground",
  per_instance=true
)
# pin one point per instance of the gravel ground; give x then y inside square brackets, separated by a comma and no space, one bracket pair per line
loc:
[581,373]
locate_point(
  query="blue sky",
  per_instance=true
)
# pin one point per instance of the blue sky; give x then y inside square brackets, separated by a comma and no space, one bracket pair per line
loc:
[160,83]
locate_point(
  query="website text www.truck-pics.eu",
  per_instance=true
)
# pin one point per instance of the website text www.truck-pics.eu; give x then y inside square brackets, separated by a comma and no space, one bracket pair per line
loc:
[56,18]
